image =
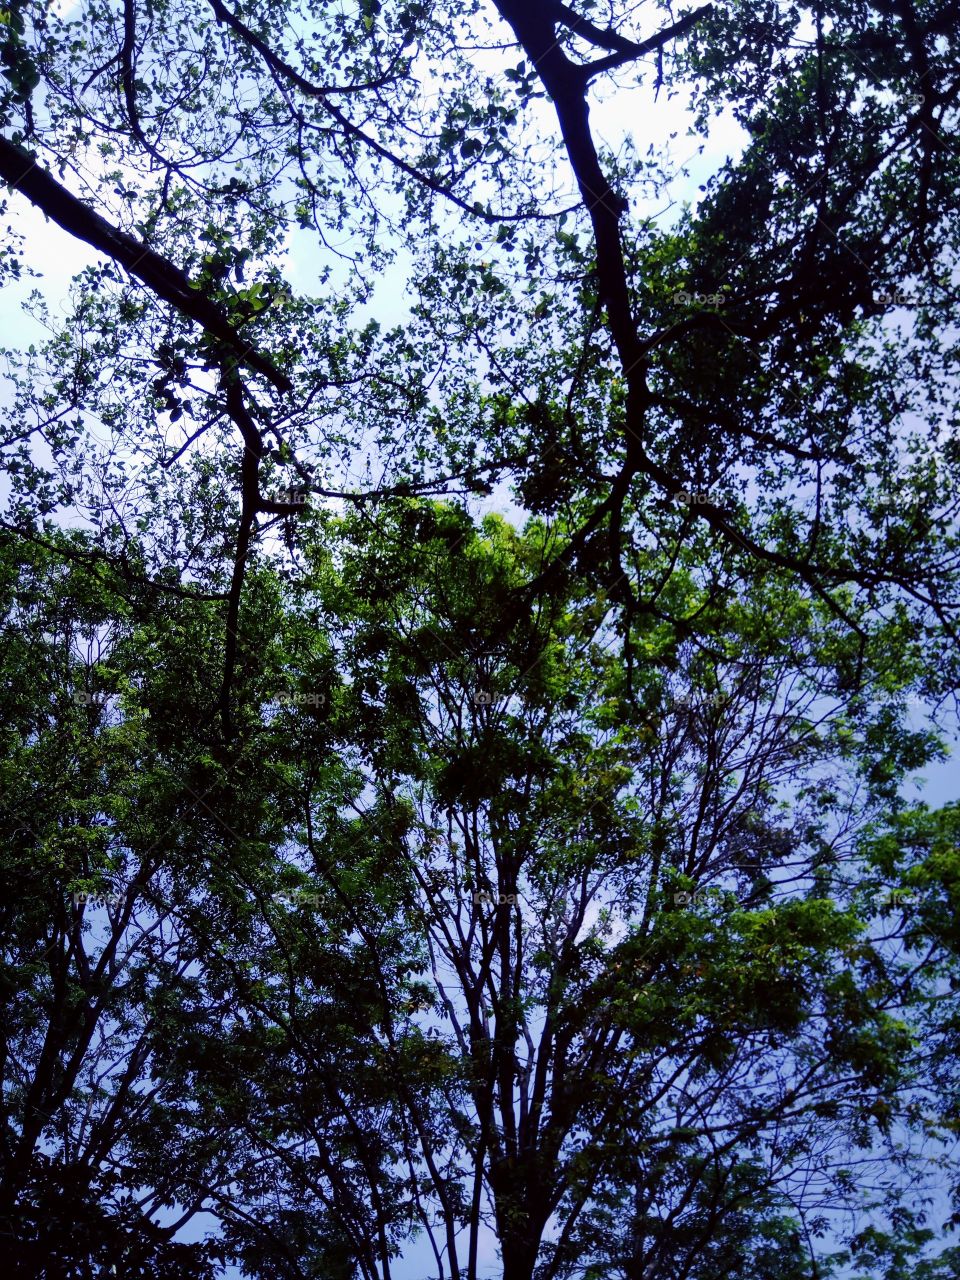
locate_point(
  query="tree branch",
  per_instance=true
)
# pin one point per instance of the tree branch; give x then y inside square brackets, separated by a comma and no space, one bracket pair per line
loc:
[280,67]
[623,49]
[23,173]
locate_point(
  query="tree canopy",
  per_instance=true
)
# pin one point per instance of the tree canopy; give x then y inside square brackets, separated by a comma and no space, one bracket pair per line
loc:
[479,571]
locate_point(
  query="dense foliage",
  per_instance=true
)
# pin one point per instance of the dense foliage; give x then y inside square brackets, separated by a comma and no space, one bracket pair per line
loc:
[472,599]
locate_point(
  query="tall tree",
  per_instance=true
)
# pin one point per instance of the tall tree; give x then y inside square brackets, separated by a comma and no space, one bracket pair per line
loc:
[670,1009]
[587,835]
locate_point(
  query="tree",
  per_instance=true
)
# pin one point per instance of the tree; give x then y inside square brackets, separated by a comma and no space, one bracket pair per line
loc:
[742,346]
[731,428]
[133,844]
[509,932]
[620,965]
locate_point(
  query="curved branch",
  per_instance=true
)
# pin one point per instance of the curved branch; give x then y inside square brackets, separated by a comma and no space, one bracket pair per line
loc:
[22,172]
[622,49]
[280,67]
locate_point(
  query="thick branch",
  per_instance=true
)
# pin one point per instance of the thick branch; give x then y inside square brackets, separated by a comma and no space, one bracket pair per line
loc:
[251,502]
[22,172]
[622,49]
